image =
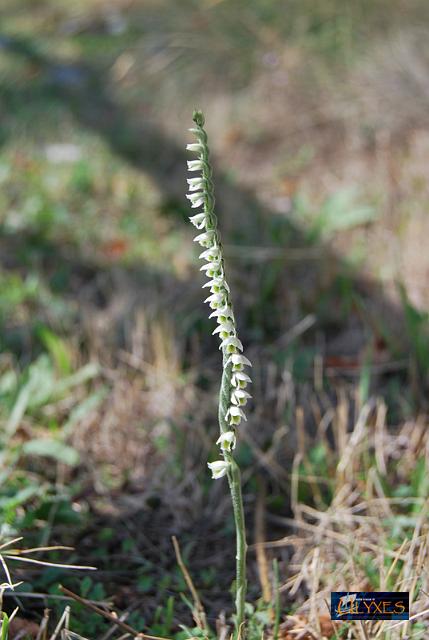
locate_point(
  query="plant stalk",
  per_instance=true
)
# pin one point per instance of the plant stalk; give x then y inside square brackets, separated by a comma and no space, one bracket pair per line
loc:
[234,479]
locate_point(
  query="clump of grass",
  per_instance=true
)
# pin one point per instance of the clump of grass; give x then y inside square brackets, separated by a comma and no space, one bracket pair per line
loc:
[9,553]
[360,523]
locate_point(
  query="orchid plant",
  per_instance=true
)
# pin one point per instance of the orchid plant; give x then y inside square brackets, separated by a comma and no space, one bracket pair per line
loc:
[233,395]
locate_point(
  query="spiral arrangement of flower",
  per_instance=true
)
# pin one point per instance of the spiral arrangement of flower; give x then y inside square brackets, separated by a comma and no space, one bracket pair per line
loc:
[233,395]
[202,195]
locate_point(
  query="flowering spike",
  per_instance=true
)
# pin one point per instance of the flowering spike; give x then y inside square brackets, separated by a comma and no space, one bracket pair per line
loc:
[232,394]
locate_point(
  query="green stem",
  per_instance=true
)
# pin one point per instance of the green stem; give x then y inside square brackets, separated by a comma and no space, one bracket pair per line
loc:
[241,545]
[234,480]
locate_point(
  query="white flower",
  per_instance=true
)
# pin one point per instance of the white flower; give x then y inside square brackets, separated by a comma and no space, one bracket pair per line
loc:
[216,299]
[197,132]
[216,284]
[239,360]
[240,379]
[210,254]
[223,315]
[195,183]
[199,220]
[210,266]
[218,468]
[224,330]
[212,270]
[195,146]
[234,415]
[205,239]
[195,165]
[197,199]
[239,397]
[227,440]
[231,344]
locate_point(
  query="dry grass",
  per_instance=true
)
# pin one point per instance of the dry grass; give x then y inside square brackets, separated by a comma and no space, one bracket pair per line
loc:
[364,540]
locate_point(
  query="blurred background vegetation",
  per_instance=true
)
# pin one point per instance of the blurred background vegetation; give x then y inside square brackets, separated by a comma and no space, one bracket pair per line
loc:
[317,112]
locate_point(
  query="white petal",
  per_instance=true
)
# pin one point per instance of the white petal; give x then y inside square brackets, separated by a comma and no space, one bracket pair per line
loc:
[195,183]
[225,312]
[227,440]
[194,146]
[204,238]
[232,341]
[197,199]
[195,165]
[210,265]
[226,326]
[214,296]
[197,132]
[235,414]
[216,282]
[219,282]
[219,468]
[210,254]
[239,376]
[234,411]
[215,300]
[239,397]
[237,358]
[198,220]
[195,196]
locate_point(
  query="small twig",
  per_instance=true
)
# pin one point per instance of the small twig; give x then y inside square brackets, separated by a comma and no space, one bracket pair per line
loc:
[199,613]
[112,629]
[45,563]
[61,621]
[6,570]
[13,614]
[57,547]
[109,616]
[9,593]
[9,542]
[43,628]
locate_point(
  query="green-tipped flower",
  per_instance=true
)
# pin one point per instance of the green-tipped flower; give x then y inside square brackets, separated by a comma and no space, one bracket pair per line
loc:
[202,195]
[227,440]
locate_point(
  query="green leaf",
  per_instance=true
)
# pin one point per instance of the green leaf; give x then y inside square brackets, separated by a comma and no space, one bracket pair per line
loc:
[57,348]
[145,583]
[82,409]
[339,212]
[4,626]
[85,586]
[21,497]
[52,449]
